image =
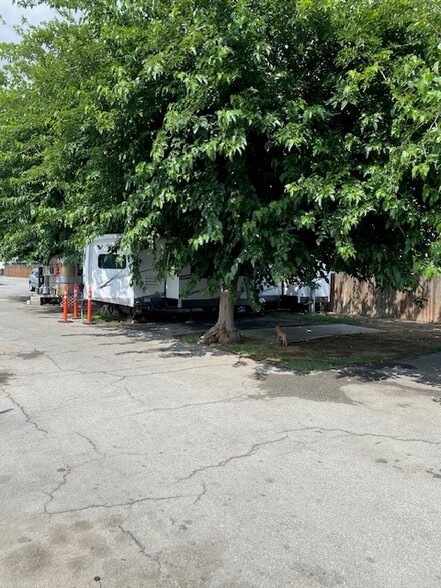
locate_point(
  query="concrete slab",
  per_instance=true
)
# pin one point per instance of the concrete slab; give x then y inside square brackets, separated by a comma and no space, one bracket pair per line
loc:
[307,332]
[34,299]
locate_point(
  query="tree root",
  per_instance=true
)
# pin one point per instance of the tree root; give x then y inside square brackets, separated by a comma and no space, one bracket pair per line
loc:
[220,335]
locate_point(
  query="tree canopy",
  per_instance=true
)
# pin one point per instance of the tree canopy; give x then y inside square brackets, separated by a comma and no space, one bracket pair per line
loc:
[258,138]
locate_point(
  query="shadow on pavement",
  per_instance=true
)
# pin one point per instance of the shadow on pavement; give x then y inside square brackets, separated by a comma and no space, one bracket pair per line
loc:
[424,370]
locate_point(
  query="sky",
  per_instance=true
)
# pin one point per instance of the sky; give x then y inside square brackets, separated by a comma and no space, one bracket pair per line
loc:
[12,15]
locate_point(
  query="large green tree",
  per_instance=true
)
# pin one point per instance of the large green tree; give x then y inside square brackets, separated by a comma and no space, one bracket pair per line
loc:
[257,138]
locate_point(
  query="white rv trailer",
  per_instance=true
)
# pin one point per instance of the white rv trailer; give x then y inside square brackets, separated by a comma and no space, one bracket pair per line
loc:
[110,277]
[319,292]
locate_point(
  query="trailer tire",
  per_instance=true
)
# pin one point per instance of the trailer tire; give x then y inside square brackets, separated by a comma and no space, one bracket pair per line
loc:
[106,310]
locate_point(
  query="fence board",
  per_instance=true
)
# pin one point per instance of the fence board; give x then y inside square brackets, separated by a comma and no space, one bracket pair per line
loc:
[17,271]
[353,297]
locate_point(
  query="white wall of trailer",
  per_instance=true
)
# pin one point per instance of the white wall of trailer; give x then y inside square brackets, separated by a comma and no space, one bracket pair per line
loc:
[115,285]
[109,284]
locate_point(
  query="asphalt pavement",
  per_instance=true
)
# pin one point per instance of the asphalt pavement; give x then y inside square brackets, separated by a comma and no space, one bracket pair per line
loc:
[129,459]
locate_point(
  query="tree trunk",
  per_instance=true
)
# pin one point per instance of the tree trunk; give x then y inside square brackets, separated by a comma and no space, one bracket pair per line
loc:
[224,331]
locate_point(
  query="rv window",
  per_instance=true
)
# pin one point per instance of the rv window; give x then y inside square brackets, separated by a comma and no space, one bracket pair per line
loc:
[111,261]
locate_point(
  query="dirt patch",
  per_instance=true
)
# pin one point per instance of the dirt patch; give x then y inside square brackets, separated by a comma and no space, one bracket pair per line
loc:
[394,339]
[4,377]
[30,354]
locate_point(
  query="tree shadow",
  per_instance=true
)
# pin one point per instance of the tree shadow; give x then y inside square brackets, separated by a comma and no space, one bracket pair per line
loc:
[428,374]
[183,349]
[22,299]
[168,334]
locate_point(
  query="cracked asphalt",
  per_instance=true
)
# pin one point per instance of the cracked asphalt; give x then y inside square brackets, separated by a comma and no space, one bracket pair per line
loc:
[131,460]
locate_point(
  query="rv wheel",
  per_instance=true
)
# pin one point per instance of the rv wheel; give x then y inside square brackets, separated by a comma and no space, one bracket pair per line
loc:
[106,310]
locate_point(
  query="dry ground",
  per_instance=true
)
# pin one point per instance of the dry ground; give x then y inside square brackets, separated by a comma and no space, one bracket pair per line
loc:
[394,340]
[403,338]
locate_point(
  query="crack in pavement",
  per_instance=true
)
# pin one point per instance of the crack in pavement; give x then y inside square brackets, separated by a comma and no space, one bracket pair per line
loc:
[130,394]
[243,397]
[33,355]
[201,494]
[46,373]
[158,372]
[26,415]
[53,361]
[119,371]
[224,462]
[92,443]
[172,408]
[51,494]
[356,434]
[130,502]
[142,548]
[69,470]
[66,404]
[117,381]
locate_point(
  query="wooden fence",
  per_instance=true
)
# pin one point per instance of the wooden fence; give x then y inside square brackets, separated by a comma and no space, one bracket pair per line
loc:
[17,271]
[352,297]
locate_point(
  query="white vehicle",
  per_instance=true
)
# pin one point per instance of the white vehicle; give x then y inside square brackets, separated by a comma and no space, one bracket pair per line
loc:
[319,292]
[111,279]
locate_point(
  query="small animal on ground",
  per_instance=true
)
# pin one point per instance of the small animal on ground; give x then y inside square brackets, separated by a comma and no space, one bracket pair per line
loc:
[281,336]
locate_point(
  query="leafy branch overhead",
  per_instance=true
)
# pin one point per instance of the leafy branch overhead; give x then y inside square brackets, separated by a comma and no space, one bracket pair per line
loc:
[257,138]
